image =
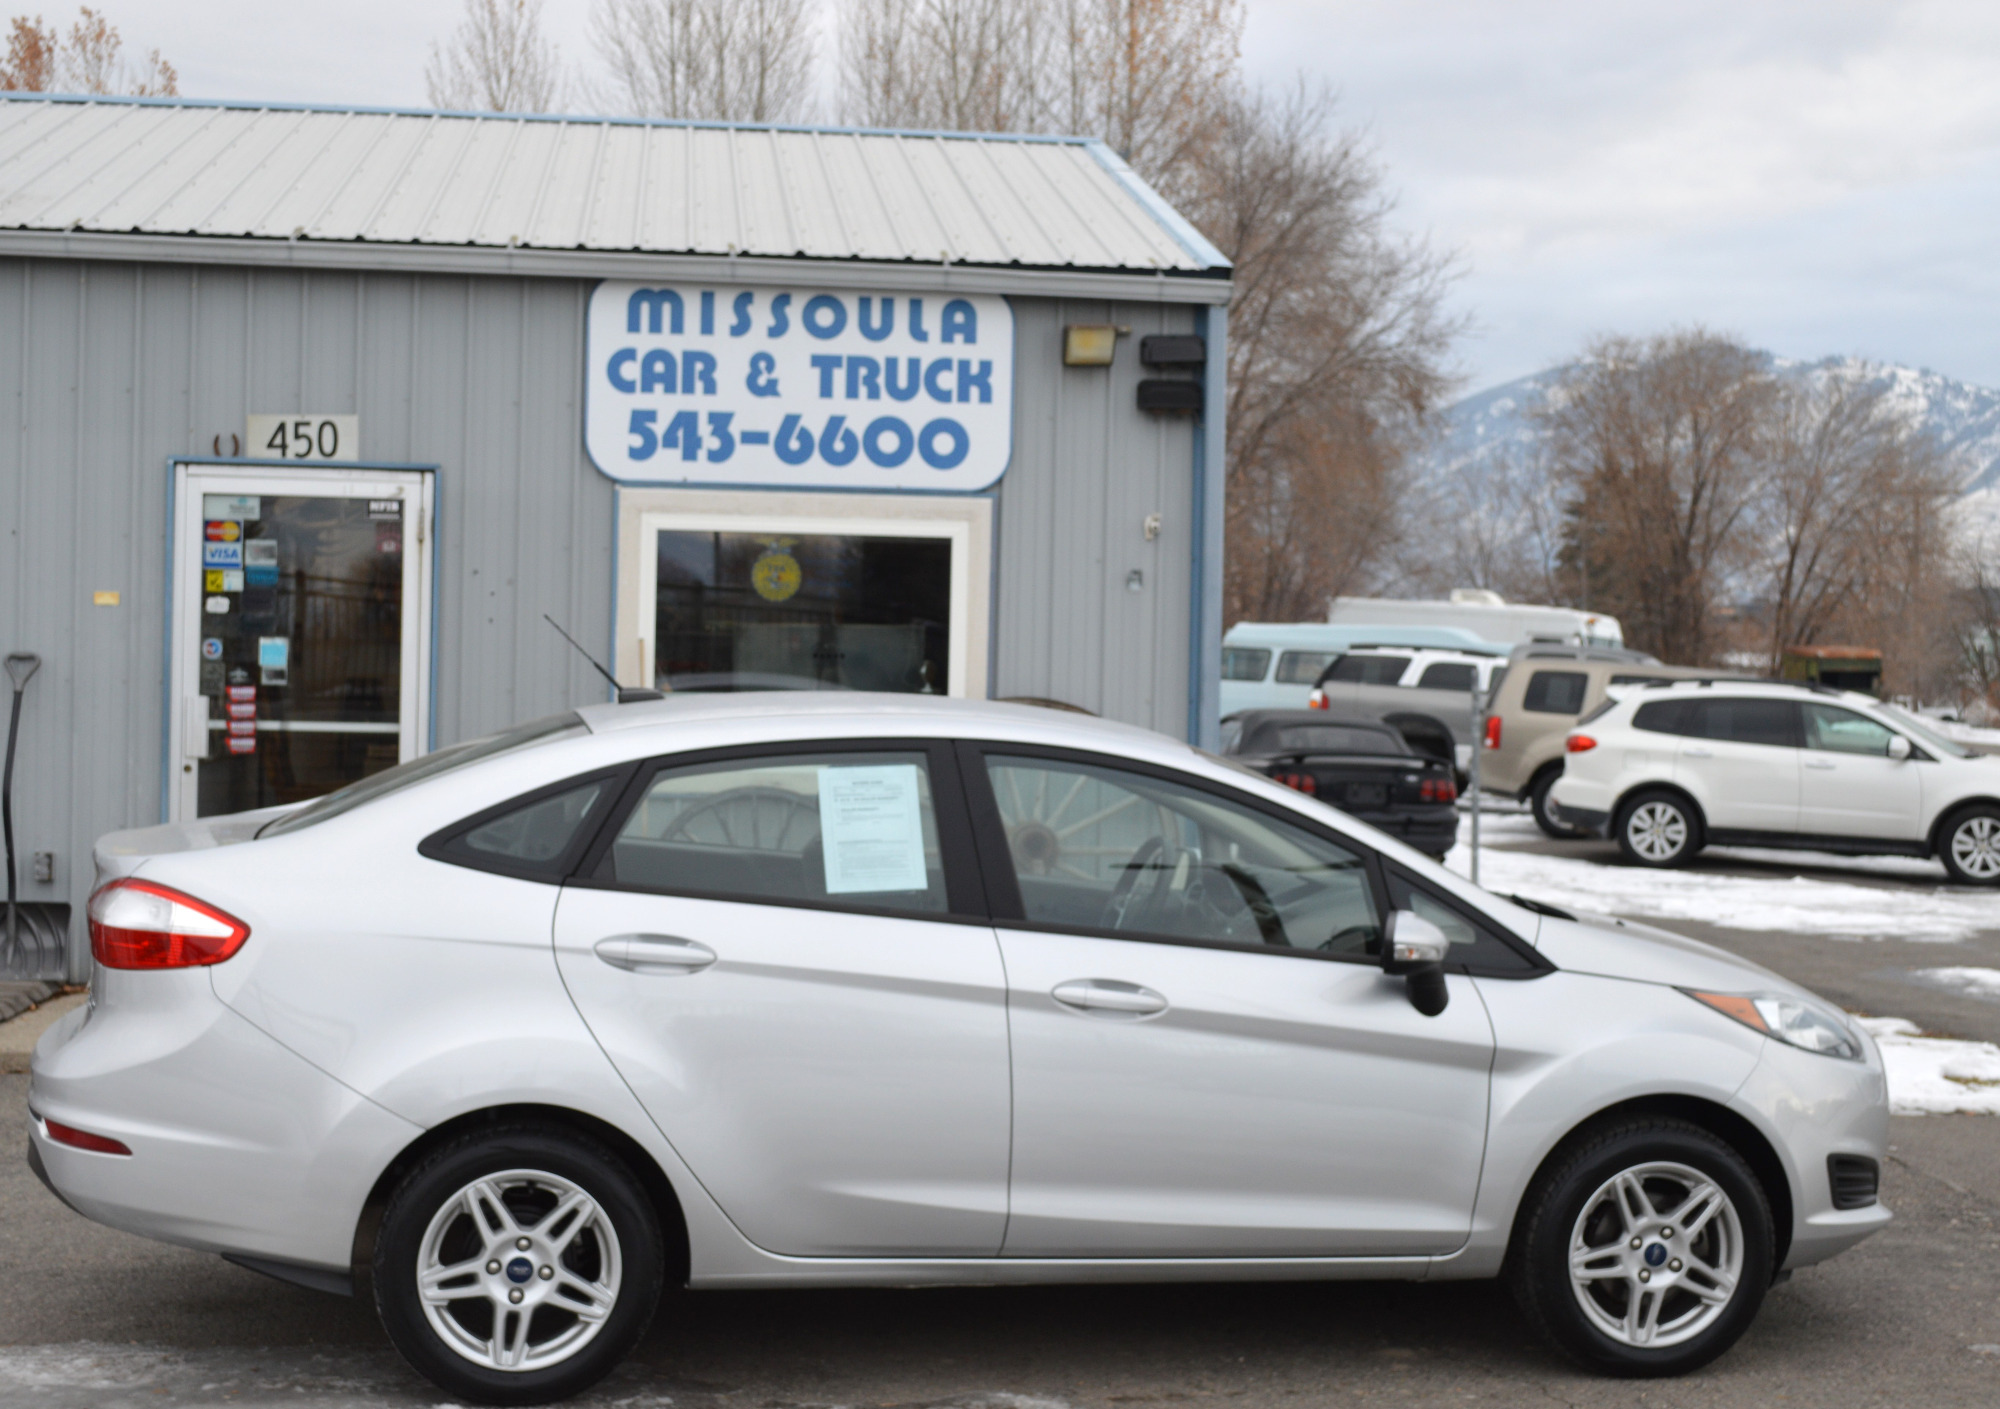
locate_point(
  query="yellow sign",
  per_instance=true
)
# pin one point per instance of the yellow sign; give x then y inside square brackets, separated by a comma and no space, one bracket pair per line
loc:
[211,579]
[776,575]
[104,599]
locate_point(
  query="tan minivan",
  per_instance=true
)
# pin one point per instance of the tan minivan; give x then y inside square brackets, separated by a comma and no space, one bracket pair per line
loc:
[1545,689]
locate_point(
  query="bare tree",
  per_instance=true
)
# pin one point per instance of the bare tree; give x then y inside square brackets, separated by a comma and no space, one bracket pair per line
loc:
[961,65]
[88,59]
[497,60]
[727,60]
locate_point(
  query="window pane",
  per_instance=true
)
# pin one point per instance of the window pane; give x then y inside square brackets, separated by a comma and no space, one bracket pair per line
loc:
[1448,675]
[1844,731]
[1102,849]
[1242,663]
[1555,692]
[539,832]
[1662,717]
[1772,723]
[852,827]
[1369,670]
[1302,667]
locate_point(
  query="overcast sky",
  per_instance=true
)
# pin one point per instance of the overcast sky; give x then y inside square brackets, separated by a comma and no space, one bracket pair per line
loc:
[1815,177]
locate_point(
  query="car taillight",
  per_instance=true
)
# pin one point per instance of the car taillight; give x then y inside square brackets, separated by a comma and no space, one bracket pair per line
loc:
[140,925]
[1579,743]
[1493,731]
[1437,790]
[1316,700]
[1302,782]
[84,1140]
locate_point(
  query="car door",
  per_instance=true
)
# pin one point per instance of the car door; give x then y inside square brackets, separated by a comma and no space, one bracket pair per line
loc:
[1740,760]
[1208,1059]
[784,953]
[1849,786]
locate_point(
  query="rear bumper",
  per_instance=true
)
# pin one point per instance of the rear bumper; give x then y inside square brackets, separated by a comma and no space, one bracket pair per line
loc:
[1584,819]
[1432,830]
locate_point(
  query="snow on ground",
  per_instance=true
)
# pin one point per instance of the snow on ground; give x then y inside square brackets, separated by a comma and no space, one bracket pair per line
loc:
[1936,1075]
[1975,983]
[1794,904]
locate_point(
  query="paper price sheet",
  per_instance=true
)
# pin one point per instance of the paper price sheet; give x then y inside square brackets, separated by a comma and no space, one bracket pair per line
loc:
[872,829]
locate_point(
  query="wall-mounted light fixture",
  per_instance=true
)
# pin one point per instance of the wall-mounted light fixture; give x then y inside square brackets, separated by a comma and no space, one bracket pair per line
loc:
[1173,350]
[1170,397]
[1089,344]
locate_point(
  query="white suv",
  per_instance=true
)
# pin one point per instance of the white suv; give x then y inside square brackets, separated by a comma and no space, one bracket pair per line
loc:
[1669,769]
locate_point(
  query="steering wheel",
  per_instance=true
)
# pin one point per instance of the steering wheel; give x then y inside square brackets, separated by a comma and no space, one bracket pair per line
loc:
[1112,917]
[1270,925]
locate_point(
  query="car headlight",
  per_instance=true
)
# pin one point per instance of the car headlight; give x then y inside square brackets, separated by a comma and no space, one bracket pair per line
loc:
[1793,1020]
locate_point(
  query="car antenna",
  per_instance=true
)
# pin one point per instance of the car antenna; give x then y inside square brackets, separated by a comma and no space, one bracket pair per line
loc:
[626,694]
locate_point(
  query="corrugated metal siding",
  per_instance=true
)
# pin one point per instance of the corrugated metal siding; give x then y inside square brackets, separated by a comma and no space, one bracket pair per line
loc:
[110,369]
[167,168]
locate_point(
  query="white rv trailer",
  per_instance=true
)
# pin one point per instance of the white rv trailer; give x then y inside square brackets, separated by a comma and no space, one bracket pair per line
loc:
[1485,614]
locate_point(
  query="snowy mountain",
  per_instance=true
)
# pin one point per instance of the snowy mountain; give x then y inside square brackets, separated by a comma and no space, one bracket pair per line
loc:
[1487,430]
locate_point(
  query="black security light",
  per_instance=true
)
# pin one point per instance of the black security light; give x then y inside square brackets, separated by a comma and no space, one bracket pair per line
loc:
[1173,350]
[1170,397]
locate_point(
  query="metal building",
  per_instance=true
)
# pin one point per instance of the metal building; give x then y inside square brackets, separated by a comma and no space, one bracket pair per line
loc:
[316,413]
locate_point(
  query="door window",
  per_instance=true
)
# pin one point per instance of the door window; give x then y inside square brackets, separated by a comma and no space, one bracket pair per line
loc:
[1555,692]
[1843,731]
[1368,670]
[1449,675]
[1772,723]
[1108,850]
[1243,663]
[1302,667]
[847,829]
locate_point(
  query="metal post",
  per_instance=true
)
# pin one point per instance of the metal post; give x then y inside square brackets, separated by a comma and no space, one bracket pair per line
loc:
[1472,786]
[21,667]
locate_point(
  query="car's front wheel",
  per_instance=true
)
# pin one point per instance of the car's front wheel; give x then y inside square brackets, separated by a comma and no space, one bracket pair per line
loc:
[518,1265]
[1647,1251]
[1970,846]
[1658,829]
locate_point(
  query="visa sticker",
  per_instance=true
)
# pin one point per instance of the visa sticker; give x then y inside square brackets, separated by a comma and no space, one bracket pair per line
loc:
[211,648]
[222,555]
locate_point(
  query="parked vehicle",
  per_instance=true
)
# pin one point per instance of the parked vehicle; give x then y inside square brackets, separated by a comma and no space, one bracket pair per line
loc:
[1425,692]
[1363,767]
[1486,614]
[816,989]
[1670,770]
[1272,665]
[1543,692]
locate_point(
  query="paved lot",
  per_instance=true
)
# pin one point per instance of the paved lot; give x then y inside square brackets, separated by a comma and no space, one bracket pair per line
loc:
[89,1317]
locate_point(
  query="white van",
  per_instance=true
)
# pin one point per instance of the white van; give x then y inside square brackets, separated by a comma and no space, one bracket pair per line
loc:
[1485,614]
[1274,665]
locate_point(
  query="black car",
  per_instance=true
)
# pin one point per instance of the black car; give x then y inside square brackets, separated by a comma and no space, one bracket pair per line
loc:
[1362,767]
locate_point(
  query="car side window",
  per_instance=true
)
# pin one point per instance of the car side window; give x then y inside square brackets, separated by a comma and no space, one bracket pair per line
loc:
[1839,730]
[1449,675]
[1367,670]
[1243,663]
[1771,723]
[532,837]
[1663,716]
[854,829]
[1475,944]
[1302,667]
[1109,850]
[1555,692]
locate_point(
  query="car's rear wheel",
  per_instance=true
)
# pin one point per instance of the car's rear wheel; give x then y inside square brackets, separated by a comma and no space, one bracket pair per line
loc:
[518,1266]
[1646,1251]
[1543,806]
[1658,829]
[1970,846]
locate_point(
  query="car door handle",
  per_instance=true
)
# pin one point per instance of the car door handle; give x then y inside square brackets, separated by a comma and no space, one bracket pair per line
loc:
[1826,763]
[1108,996]
[1698,753]
[654,953]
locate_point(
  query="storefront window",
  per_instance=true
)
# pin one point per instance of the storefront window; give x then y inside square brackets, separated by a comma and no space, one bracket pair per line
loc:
[776,611]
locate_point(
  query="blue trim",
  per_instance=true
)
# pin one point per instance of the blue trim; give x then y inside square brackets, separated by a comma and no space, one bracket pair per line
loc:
[166,655]
[437,568]
[1205,590]
[1192,240]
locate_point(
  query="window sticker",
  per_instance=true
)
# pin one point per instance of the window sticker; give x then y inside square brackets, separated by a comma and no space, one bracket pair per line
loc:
[259,561]
[871,829]
[231,506]
[222,555]
[216,606]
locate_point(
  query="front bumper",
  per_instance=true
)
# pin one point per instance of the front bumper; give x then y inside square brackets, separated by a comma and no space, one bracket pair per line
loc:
[1584,819]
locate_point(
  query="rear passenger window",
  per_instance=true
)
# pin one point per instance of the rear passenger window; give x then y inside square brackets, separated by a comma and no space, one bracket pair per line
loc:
[848,828]
[1448,675]
[1662,717]
[1555,692]
[1302,667]
[1772,723]
[1242,663]
[535,837]
[1369,670]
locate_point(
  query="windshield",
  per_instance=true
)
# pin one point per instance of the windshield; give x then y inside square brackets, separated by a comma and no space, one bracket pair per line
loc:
[417,770]
[1928,737]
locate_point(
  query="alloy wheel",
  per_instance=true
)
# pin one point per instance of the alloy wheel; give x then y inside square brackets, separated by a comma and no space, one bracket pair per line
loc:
[519,1270]
[1975,847]
[1658,831]
[1656,1255]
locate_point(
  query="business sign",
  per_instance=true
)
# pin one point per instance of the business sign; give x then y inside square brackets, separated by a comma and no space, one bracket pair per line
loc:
[798,388]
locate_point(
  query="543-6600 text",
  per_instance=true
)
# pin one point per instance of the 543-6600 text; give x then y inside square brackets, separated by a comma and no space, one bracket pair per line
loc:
[887,441]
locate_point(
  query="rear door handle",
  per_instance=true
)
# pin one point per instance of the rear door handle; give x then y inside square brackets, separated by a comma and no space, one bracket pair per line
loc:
[654,953]
[1698,753]
[1108,997]
[1826,763]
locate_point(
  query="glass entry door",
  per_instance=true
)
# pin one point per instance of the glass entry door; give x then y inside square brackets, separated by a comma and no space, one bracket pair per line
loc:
[301,612]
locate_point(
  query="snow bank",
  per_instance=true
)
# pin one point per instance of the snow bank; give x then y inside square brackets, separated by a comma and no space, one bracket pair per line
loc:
[1935,1075]
[1979,983]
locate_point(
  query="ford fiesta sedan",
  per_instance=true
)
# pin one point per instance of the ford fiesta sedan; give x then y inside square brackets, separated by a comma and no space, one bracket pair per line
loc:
[839,990]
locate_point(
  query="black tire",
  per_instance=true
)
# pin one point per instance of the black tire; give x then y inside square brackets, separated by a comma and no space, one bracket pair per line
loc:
[630,1262]
[1658,829]
[1969,845]
[1698,1318]
[1541,805]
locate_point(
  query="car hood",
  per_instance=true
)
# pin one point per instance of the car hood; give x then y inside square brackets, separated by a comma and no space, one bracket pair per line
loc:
[1614,948]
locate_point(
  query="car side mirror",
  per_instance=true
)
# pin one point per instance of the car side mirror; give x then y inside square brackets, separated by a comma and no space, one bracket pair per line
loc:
[1899,747]
[1415,949]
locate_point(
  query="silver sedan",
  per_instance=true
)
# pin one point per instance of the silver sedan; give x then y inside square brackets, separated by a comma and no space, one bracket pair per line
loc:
[840,990]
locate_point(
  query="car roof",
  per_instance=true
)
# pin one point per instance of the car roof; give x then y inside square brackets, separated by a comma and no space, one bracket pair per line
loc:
[1709,687]
[1447,653]
[1253,718]
[816,711]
